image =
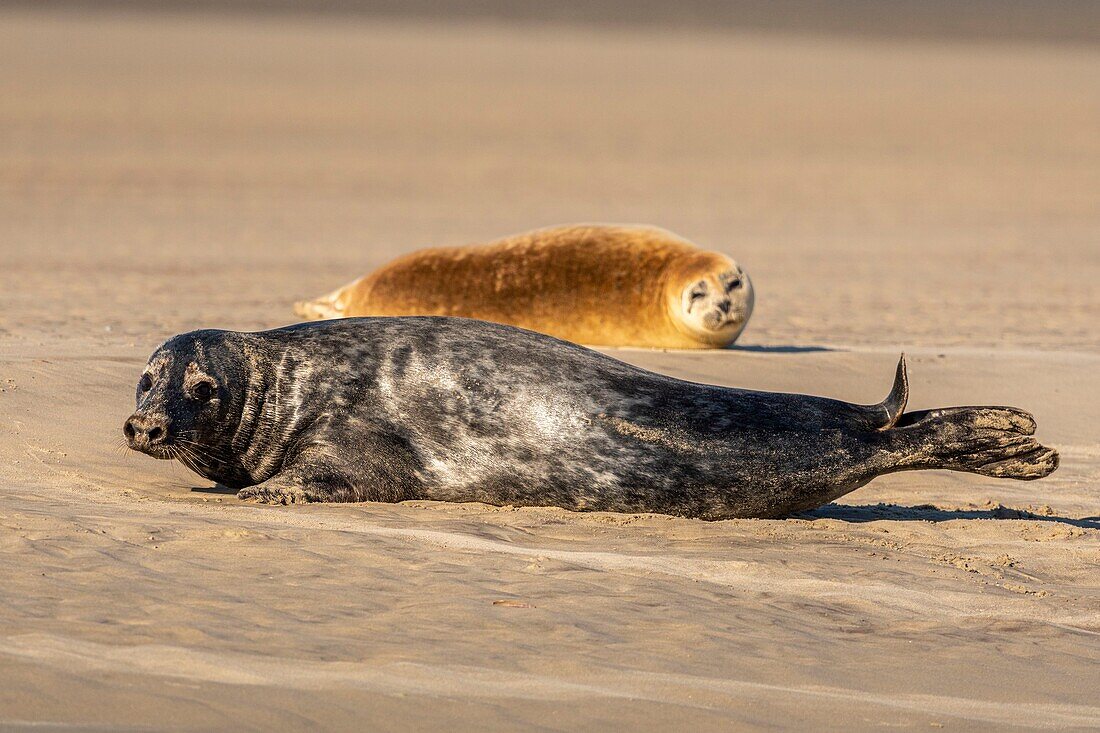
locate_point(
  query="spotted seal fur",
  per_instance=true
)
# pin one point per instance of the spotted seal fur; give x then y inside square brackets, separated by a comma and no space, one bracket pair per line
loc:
[388,409]
[591,284]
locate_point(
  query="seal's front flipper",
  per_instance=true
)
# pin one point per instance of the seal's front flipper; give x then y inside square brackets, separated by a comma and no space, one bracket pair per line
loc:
[319,473]
[279,491]
[308,479]
[291,488]
[991,441]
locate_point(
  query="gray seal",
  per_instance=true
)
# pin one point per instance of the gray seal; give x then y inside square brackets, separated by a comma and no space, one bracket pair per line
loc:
[450,409]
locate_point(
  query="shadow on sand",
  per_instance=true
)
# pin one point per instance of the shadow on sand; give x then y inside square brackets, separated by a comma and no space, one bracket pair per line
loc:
[928,513]
[779,349]
[215,489]
[859,513]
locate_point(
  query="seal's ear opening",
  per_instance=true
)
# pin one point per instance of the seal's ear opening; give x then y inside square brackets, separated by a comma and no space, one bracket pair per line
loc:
[895,402]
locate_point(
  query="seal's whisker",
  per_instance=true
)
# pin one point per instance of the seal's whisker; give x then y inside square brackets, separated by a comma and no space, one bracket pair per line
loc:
[200,456]
[192,457]
[201,450]
[188,460]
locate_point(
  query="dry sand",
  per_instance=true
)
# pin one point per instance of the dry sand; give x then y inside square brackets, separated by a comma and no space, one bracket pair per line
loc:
[164,172]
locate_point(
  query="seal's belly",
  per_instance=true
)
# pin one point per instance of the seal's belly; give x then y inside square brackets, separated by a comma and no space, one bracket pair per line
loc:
[551,450]
[527,433]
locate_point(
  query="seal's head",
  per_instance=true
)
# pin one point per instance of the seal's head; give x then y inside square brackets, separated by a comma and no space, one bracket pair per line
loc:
[186,403]
[714,301]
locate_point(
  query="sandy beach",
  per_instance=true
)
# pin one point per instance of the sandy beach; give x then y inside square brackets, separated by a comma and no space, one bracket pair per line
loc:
[161,172]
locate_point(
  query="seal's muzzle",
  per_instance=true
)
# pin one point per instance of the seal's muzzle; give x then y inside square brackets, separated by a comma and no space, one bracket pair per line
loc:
[147,433]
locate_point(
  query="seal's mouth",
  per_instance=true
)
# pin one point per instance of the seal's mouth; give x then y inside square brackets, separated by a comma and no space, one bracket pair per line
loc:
[717,320]
[162,452]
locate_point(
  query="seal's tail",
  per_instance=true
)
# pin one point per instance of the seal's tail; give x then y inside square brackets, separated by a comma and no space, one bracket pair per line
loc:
[327,306]
[991,441]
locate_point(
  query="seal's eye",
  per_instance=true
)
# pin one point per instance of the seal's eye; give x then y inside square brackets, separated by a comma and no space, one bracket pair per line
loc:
[734,284]
[146,383]
[202,391]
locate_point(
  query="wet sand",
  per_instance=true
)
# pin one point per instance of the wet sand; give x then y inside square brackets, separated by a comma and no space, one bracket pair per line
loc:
[164,172]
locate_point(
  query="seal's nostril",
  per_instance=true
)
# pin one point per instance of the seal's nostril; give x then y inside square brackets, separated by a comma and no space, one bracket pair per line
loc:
[128,430]
[155,434]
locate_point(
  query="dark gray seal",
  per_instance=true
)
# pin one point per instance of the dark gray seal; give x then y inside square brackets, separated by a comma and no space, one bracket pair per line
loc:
[388,409]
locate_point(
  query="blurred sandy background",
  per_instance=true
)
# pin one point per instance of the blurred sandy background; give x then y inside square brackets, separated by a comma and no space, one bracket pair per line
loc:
[895,176]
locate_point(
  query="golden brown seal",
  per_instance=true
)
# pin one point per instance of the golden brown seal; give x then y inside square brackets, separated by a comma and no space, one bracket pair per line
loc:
[592,284]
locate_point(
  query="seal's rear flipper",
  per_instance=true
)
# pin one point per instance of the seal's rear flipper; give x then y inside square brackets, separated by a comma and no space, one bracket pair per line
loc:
[327,306]
[895,402]
[991,441]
